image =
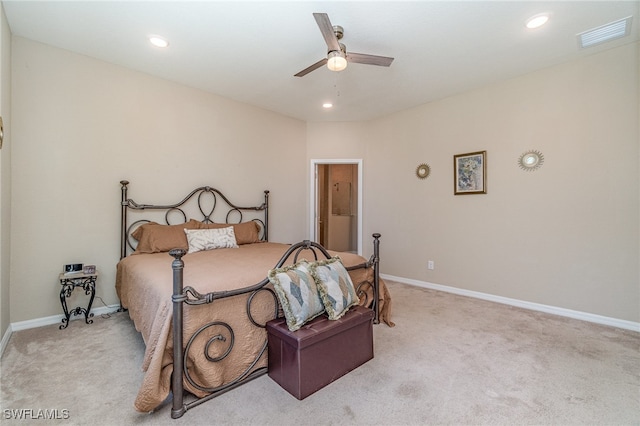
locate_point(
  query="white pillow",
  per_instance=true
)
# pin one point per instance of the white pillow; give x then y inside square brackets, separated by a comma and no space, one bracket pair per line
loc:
[208,239]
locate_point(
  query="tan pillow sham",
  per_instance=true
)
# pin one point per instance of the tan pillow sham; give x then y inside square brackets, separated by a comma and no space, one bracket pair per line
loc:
[156,238]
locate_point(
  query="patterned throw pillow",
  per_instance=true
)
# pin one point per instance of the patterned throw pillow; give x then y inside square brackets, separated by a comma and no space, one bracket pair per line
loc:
[246,232]
[208,239]
[298,294]
[335,286]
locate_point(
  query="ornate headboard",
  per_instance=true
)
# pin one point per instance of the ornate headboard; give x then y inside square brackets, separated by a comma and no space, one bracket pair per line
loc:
[200,204]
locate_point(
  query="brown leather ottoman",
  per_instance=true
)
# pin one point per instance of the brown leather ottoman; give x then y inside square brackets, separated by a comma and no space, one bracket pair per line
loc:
[306,360]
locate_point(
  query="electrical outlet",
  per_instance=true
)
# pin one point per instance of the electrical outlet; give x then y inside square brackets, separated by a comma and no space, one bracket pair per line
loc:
[430,265]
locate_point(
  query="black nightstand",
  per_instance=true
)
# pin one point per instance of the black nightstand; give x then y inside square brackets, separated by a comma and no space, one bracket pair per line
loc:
[69,282]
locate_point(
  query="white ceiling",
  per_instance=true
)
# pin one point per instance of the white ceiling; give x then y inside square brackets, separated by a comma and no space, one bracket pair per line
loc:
[249,51]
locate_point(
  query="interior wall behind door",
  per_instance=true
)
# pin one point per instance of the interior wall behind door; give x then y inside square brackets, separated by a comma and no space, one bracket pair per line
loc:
[338,207]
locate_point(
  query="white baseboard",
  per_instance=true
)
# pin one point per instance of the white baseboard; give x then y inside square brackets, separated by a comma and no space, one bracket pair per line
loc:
[584,316]
[54,319]
[39,322]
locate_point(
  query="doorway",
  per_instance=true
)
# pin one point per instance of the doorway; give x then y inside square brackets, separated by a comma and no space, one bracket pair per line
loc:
[336,204]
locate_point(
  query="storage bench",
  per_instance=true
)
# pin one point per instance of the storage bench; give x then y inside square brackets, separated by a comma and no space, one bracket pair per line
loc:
[323,350]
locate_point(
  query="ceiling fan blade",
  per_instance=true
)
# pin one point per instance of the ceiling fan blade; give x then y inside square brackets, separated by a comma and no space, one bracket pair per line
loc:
[361,58]
[313,67]
[327,31]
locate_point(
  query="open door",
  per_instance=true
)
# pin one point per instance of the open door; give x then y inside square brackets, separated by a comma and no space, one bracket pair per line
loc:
[336,204]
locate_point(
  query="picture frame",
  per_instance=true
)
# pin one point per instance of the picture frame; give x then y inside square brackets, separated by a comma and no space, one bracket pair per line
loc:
[470,173]
[89,269]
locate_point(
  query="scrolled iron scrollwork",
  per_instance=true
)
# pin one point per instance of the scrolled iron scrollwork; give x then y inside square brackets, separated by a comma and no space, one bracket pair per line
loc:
[250,304]
[67,289]
[229,215]
[230,344]
[81,311]
[361,291]
[226,336]
[89,287]
[205,199]
[207,216]
[219,337]
[192,297]
[173,210]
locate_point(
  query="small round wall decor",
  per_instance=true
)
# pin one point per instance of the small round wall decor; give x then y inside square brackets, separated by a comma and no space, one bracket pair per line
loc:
[531,160]
[423,171]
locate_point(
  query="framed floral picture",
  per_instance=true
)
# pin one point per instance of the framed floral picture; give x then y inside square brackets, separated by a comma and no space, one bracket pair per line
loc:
[470,173]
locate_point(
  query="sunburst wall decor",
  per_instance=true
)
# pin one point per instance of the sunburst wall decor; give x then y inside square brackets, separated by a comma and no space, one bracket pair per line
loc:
[423,171]
[531,160]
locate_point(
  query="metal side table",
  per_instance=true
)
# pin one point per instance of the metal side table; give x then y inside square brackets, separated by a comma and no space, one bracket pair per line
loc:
[69,282]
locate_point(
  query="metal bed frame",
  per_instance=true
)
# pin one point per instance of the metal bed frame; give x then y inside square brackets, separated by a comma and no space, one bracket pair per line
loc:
[188,295]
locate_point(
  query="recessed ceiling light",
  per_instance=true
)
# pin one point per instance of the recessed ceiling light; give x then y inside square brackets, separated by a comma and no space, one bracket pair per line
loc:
[606,32]
[537,21]
[327,105]
[158,41]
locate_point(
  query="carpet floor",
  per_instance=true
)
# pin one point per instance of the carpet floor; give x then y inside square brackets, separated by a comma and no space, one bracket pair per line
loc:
[450,360]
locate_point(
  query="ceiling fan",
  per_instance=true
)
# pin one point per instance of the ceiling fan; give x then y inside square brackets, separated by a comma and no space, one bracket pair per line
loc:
[337,56]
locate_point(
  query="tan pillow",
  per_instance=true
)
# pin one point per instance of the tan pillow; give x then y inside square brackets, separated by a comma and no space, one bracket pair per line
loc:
[155,238]
[246,232]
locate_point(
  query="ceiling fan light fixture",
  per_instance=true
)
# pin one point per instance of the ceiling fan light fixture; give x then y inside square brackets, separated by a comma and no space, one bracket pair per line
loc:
[336,61]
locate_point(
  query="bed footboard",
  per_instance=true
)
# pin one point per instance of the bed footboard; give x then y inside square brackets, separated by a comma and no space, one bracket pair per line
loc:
[188,295]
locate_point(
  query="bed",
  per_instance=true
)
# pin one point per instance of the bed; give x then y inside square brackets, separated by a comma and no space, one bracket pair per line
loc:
[202,309]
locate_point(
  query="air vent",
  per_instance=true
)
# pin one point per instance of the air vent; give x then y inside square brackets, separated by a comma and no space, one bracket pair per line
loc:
[605,33]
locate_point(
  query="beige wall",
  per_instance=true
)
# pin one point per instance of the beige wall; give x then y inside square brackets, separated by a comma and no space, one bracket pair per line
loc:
[5,171]
[81,125]
[566,235]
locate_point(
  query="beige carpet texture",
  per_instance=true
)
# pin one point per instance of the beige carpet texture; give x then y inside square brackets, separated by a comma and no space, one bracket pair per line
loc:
[450,360]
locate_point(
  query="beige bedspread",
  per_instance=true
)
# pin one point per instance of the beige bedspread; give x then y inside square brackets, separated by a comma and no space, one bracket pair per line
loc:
[144,285]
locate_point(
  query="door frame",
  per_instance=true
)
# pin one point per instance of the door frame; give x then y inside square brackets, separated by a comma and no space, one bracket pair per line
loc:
[313,191]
